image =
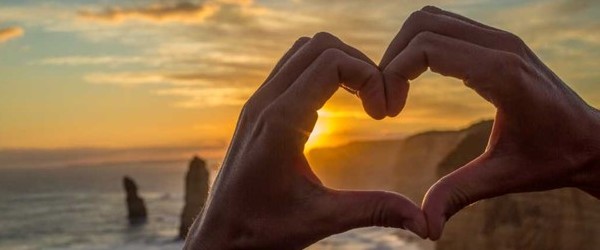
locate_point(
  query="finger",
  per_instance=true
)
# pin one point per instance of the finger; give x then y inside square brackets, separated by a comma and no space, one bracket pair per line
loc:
[321,80]
[426,20]
[244,117]
[420,21]
[297,45]
[456,191]
[436,10]
[298,63]
[493,74]
[354,209]
[490,175]
[507,40]
[396,93]
[482,178]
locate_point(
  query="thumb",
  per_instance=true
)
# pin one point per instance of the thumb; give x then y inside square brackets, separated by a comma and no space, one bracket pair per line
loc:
[377,208]
[482,178]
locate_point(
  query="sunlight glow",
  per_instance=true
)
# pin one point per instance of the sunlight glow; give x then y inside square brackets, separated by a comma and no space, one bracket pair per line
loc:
[319,135]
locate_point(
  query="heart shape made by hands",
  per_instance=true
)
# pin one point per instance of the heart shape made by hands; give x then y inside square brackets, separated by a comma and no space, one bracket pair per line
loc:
[267,197]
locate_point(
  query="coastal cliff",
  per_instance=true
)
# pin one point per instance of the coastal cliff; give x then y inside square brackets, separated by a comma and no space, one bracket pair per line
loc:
[559,219]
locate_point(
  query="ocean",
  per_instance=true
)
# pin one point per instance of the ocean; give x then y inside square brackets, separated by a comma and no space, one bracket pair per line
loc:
[84,208]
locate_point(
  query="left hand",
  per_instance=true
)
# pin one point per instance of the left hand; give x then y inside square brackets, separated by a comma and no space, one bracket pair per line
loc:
[266,195]
[544,137]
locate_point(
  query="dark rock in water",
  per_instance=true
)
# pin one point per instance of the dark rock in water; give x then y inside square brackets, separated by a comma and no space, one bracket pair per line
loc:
[136,208]
[196,192]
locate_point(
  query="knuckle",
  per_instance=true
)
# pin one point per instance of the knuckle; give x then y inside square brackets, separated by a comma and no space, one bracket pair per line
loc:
[324,38]
[514,43]
[503,75]
[424,38]
[379,212]
[302,40]
[271,114]
[331,56]
[249,110]
[414,22]
[272,124]
[415,17]
[512,65]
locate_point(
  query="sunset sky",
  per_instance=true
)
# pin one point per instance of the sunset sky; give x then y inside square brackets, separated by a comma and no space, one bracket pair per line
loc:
[99,81]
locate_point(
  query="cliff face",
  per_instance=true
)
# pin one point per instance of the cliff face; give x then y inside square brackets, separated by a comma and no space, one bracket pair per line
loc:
[559,219]
[407,166]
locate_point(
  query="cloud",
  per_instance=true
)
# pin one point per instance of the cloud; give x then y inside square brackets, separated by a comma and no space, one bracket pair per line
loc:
[97,60]
[201,75]
[183,12]
[574,6]
[10,33]
[571,21]
[199,89]
[209,97]
[130,79]
[237,2]
[125,79]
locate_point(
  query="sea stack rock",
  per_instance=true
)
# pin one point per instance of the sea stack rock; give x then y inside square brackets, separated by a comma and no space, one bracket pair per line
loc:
[136,208]
[196,192]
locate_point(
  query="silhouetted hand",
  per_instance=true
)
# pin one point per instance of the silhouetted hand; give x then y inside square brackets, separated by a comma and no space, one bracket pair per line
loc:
[544,136]
[266,195]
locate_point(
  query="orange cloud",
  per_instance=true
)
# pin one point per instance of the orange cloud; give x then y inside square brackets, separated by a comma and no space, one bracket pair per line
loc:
[184,12]
[209,97]
[10,33]
[237,2]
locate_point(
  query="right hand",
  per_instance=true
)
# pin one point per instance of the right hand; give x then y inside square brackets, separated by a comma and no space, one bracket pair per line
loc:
[544,136]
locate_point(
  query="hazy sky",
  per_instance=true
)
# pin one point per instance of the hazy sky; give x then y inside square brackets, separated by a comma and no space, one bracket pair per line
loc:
[162,77]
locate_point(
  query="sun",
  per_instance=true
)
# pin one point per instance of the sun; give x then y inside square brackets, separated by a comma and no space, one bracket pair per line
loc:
[320,134]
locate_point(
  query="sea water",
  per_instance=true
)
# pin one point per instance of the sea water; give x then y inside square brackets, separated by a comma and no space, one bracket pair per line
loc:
[84,208]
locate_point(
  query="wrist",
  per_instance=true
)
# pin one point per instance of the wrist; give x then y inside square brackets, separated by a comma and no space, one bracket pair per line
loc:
[212,230]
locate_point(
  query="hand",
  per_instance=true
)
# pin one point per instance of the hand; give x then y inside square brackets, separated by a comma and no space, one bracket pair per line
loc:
[266,195]
[544,135]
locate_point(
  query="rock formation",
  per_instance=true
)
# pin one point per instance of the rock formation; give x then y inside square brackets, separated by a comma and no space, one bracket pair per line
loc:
[196,192]
[559,219]
[406,165]
[136,208]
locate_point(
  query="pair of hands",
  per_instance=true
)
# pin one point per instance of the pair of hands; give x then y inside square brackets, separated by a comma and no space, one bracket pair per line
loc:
[267,197]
